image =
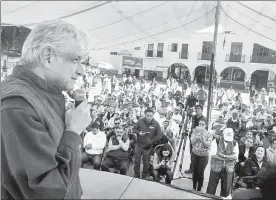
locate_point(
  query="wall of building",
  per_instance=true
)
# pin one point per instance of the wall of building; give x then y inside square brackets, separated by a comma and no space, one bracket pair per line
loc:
[195,47]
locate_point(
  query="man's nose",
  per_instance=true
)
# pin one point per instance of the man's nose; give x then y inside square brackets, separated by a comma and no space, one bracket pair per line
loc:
[80,70]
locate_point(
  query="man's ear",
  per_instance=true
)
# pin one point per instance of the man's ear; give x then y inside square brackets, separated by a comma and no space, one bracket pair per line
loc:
[46,56]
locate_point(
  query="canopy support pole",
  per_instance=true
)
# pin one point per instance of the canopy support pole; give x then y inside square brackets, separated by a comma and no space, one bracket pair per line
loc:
[212,65]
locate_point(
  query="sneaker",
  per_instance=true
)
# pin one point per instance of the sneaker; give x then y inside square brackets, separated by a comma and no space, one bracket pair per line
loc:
[188,171]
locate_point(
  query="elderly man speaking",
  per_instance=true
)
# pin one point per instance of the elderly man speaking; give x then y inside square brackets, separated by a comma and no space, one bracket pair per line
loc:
[40,139]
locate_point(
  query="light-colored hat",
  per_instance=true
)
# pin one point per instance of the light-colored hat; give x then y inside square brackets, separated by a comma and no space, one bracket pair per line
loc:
[228,134]
[263,89]
[100,98]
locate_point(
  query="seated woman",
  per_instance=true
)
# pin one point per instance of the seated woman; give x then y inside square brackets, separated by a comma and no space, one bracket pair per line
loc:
[255,165]
[271,151]
[117,152]
[163,162]
[246,151]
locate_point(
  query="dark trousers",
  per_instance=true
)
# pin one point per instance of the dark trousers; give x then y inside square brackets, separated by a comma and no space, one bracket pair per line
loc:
[199,164]
[95,160]
[121,165]
[163,171]
[138,153]
[226,182]
[191,147]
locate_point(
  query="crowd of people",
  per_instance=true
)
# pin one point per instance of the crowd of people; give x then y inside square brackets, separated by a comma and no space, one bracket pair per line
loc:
[133,120]
[45,128]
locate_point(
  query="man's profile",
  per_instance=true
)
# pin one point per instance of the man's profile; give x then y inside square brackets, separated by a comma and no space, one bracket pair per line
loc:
[40,139]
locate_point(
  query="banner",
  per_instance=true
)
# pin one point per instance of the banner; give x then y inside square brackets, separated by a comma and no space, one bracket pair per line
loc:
[133,62]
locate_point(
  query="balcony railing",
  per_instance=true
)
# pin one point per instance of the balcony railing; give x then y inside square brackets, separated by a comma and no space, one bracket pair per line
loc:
[204,56]
[235,58]
[154,54]
[183,55]
[262,59]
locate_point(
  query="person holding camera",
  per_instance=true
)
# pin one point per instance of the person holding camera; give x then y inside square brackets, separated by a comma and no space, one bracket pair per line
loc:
[163,159]
[148,132]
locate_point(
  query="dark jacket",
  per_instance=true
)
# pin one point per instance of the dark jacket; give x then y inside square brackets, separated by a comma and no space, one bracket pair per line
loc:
[242,148]
[148,139]
[252,168]
[40,160]
[118,154]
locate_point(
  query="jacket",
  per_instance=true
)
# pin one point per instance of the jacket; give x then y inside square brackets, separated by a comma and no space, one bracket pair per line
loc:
[252,168]
[118,154]
[270,155]
[242,148]
[40,159]
[153,135]
[157,157]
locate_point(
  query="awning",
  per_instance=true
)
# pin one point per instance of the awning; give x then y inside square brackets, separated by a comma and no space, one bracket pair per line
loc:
[127,24]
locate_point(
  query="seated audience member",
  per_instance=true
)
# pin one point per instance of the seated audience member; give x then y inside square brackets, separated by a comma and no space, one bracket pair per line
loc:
[271,151]
[264,181]
[267,141]
[222,164]
[234,123]
[255,164]
[248,134]
[163,162]
[111,131]
[246,151]
[94,143]
[117,152]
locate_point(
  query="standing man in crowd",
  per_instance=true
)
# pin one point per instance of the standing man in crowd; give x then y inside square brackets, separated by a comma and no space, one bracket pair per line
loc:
[195,123]
[220,94]
[252,93]
[40,139]
[148,132]
[230,93]
[201,96]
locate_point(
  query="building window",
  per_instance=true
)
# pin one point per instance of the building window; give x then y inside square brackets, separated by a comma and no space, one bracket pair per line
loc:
[207,47]
[233,74]
[113,53]
[259,50]
[174,47]
[160,48]
[150,50]
[137,48]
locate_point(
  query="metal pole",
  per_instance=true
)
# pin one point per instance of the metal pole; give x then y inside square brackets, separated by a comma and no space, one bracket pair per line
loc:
[212,68]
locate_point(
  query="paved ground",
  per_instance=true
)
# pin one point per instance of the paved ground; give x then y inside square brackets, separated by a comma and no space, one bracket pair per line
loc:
[186,183]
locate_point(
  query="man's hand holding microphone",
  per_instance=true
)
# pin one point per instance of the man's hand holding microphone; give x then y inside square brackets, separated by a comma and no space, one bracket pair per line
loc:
[77,119]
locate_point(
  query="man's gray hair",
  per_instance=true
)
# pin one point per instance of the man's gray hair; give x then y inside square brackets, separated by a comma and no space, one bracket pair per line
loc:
[54,34]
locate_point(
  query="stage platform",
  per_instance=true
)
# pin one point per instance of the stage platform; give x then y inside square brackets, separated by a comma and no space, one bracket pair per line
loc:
[106,185]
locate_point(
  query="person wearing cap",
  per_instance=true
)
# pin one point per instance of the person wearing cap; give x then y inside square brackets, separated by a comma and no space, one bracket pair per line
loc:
[235,124]
[201,141]
[94,143]
[162,108]
[195,122]
[148,132]
[222,164]
[267,141]
[218,127]
[220,94]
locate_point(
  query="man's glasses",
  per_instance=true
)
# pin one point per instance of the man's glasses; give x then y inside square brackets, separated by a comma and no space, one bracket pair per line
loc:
[201,124]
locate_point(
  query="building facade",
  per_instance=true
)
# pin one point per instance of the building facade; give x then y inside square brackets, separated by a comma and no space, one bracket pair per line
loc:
[238,58]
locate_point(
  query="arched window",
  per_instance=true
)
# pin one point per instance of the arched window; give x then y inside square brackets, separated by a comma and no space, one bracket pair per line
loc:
[233,74]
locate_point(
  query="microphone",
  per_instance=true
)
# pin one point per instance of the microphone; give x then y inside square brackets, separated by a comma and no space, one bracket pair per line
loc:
[79,95]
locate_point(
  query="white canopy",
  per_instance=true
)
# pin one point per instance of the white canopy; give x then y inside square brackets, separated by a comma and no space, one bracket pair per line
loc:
[113,24]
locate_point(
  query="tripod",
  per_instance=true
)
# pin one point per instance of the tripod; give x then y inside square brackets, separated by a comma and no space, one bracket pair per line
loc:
[185,133]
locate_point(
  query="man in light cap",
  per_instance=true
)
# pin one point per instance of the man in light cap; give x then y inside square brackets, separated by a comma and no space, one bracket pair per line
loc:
[40,139]
[222,164]
[98,105]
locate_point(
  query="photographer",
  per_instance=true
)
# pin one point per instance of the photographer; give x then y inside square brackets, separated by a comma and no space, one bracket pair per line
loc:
[162,162]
